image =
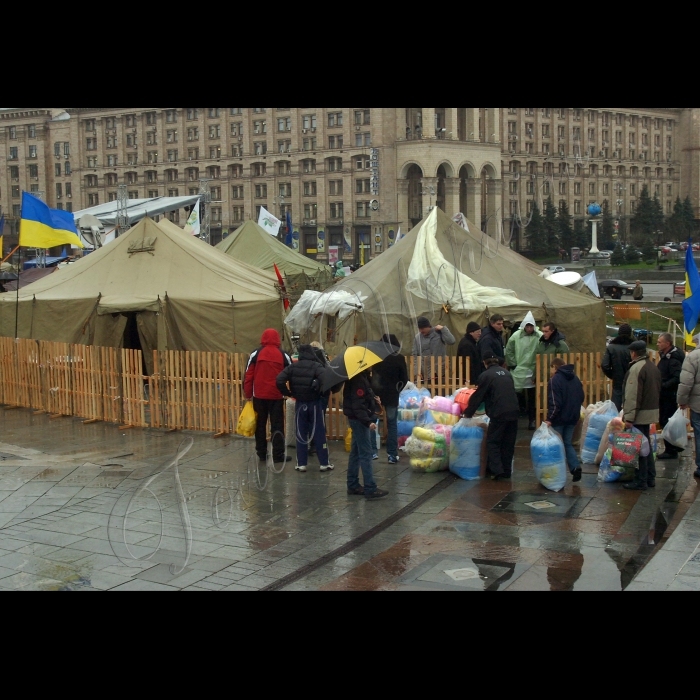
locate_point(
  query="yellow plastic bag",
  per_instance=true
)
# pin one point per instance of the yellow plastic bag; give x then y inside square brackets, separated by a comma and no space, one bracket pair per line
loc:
[248,422]
[348,441]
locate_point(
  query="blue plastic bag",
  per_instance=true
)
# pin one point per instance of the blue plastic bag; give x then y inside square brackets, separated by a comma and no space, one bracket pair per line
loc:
[597,424]
[549,458]
[465,450]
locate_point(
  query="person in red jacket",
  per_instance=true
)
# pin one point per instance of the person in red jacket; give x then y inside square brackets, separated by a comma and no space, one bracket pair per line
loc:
[264,366]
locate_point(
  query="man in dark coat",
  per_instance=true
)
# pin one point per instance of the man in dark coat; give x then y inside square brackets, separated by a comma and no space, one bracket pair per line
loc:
[391,376]
[492,344]
[616,362]
[566,396]
[468,351]
[302,381]
[497,391]
[264,366]
[361,408]
[670,366]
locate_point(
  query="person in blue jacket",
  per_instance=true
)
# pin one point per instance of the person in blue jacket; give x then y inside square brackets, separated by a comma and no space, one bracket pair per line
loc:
[566,396]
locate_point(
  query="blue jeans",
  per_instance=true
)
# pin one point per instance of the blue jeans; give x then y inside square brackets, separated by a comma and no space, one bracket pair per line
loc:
[360,457]
[311,428]
[392,423]
[567,435]
[695,420]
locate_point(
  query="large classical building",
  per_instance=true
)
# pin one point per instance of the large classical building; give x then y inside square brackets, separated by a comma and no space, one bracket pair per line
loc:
[351,177]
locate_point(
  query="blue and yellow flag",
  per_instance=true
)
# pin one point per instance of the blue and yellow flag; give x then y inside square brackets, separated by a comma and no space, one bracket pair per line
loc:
[691,305]
[42,227]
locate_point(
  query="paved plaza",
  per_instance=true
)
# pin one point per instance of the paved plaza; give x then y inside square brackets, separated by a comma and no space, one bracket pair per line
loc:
[90,507]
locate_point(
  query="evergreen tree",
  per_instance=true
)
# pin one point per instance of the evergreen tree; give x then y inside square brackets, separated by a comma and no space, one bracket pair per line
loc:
[675,224]
[689,217]
[607,230]
[631,255]
[551,226]
[644,223]
[648,250]
[618,257]
[535,232]
[582,237]
[658,218]
[566,230]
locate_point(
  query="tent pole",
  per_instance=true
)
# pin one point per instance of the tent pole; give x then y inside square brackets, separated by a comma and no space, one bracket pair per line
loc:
[11,254]
[17,302]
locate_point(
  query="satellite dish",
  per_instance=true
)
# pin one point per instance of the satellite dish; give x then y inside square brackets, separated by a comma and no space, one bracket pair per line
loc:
[92,230]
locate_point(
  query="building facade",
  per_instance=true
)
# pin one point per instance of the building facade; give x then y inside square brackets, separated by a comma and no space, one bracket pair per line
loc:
[351,177]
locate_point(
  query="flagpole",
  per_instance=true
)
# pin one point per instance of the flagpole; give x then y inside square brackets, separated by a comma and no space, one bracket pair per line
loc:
[19,270]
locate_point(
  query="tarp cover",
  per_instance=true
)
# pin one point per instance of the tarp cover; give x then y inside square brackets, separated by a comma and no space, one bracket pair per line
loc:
[255,246]
[138,208]
[185,294]
[454,260]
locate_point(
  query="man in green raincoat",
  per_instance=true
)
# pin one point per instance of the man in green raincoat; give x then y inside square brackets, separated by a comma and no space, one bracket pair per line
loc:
[521,358]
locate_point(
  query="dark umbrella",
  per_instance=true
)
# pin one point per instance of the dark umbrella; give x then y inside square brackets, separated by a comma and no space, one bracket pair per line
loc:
[354,361]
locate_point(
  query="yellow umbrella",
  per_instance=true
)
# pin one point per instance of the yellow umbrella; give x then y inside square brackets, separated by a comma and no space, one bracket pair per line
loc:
[356,360]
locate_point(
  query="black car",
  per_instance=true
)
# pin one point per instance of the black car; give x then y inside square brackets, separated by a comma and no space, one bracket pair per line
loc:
[606,287]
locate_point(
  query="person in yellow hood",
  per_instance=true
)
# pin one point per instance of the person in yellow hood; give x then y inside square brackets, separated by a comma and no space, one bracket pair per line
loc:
[521,358]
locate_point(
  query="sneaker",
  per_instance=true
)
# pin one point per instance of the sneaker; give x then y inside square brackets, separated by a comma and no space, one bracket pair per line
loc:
[283,460]
[635,486]
[356,492]
[328,468]
[376,495]
[394,460]
[303,470]
[578,475]
[375,458]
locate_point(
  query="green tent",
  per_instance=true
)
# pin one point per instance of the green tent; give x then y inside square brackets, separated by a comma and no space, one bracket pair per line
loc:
[154,288]
[254,246]
[452,276]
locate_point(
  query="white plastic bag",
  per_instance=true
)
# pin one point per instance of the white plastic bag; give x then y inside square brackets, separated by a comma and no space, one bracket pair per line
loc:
[676,432]
[549,458]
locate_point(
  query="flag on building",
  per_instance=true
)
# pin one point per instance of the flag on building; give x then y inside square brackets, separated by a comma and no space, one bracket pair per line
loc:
[461,220]
[194,223]
[691,305]
[42,227]
[289,240]
[269,222]
[399,236]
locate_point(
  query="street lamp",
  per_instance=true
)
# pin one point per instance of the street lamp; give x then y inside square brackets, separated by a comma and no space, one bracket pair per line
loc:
[431,192]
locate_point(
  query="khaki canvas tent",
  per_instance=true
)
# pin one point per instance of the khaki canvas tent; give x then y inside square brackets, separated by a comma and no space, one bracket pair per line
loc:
[255,246]
[155,287]
[452,276]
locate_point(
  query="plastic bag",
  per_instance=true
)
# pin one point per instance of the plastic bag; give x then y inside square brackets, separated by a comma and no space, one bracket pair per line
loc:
[429,449]
[597,423]
[616,425]
[466,448]
[676,431]
[248,422]
[626,448]
[549,458]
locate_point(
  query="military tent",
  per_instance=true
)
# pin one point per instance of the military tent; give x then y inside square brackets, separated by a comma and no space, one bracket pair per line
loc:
[255,246]
[155,287]
[452,276]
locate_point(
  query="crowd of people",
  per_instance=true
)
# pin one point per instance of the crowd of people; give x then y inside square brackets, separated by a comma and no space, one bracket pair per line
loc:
[504,376]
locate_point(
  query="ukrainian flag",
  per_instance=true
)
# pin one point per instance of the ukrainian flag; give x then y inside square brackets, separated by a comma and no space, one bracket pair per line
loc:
[42,227]
[691,305]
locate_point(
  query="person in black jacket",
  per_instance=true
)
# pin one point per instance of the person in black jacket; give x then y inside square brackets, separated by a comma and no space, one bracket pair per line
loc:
[302,381]
[361,408]
[670,366]
[468,350]
[391,377]
[566,396]
[616,362]
[497,391]
[492,344]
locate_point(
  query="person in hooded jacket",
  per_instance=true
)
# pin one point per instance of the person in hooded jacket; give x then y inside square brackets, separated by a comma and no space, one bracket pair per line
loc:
[616,362]
[552,341]
[566,396]
[521,358]
[302,381]
[264,366]
[468,351]
[361,407]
